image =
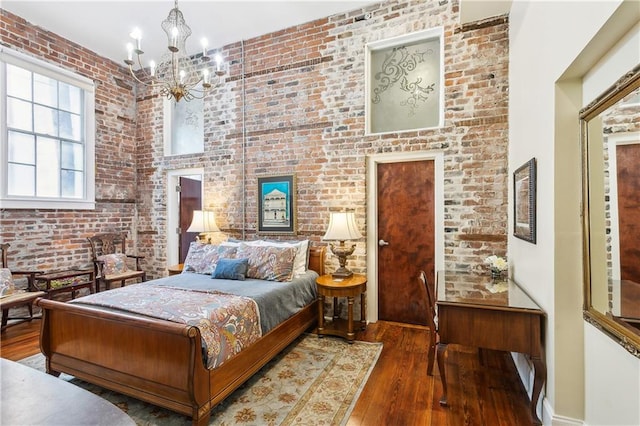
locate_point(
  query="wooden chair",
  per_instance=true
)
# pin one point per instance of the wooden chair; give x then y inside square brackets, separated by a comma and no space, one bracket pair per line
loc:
[432,321]
[21,298]
[111,261]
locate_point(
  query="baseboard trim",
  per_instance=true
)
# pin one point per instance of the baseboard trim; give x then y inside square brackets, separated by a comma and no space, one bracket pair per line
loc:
[548,417]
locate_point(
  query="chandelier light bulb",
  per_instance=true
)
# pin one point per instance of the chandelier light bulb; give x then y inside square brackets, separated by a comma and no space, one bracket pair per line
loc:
[219,62]
[173,45]
[130,52]
[205,77]
[205,43]
[152,68]
[136,34]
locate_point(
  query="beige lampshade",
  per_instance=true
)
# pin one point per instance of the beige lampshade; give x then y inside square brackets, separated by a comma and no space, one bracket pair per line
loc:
[342,227]
[203,221]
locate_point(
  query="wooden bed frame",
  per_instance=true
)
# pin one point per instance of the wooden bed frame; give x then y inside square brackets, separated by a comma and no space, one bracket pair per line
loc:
[154,360]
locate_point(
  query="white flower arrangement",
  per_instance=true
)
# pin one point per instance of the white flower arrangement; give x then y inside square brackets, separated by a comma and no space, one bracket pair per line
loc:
[498,287]
[497,263]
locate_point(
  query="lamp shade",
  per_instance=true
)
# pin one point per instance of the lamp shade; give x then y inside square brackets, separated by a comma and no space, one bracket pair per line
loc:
[342,227]
[203,221]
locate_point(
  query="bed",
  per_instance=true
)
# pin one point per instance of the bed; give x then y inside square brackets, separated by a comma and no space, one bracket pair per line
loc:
[156,360]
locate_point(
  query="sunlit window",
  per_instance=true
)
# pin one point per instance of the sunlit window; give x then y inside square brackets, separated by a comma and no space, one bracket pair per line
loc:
[48,133]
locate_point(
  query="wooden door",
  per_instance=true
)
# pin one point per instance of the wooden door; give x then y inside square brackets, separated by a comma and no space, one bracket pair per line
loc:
[406,232]
[190,200]
[627,159]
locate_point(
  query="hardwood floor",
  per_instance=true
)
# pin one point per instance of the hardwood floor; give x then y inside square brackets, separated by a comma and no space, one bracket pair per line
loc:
[399,392]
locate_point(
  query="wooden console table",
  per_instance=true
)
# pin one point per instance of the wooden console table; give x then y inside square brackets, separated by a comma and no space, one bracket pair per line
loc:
[62,281]
[475,311]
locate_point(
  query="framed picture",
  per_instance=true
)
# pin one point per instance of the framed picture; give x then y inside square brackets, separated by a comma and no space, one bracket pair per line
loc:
[277,204]
[405,82]
[524,201]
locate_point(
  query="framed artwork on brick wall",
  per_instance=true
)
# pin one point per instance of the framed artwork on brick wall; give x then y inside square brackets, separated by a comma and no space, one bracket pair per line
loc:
[524,201]
[405,83]
[277,204]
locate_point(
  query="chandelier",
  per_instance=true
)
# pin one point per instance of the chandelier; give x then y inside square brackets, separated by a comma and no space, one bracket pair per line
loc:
[177,75]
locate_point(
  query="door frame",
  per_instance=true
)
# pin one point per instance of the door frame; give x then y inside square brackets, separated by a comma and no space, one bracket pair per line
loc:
[173,209]
[372,216]
[628,138]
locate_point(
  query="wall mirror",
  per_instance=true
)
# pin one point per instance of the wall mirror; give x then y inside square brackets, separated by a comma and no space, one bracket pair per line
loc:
[610,133]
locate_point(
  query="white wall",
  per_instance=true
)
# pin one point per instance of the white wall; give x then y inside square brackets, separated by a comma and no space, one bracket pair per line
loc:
[551,49]
[612,379]
[612,382]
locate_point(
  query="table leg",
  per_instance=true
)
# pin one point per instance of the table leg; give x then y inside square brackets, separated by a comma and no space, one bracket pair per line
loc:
[540,372]
[442,348]
[350,334]
[320,314]
[5,318]
[336,313]
[363,312]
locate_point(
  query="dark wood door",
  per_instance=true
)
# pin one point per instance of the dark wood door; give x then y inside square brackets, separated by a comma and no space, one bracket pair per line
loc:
[190,200]
[627,159]
[406,232]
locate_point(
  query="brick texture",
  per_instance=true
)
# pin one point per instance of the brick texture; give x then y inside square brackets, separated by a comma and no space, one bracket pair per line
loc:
[304,94]
[56,239]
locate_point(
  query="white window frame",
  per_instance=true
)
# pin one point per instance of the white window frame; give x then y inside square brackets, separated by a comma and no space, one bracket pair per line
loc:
[8,56]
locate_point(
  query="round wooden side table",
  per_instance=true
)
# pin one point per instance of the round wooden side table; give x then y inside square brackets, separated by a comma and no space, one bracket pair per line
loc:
[355,285]
[175,269]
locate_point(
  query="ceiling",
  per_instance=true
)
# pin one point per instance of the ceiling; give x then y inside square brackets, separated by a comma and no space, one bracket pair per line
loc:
[104,26]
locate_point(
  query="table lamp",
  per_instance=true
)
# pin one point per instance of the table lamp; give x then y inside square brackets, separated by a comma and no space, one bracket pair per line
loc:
[203,221]
[342,227]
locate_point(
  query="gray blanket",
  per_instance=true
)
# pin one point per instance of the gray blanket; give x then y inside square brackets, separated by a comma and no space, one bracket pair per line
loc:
[276,301]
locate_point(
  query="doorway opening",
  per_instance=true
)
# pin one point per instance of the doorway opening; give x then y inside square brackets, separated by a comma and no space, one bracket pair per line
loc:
[373,234]
[180,204]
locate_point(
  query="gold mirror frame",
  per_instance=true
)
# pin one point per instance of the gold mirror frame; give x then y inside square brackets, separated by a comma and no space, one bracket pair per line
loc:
[616,328]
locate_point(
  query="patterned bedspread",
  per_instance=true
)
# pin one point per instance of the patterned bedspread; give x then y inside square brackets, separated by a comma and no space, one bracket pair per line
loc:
[227,323]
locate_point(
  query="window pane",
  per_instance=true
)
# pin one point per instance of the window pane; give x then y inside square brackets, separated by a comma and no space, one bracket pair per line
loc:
[48,168]
[70,98]
[18,82]
[45,144]
[187,134]
[45,90]
[70,126]
[46,120]
[19,114]
[72,184]
[72,156]
[21,180]
[22,148]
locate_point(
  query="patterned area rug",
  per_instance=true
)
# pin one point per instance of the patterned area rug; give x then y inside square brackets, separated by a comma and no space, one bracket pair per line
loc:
[312,382]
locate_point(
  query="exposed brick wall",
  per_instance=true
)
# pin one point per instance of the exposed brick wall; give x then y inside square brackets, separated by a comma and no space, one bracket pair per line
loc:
[56,239]
[304,114]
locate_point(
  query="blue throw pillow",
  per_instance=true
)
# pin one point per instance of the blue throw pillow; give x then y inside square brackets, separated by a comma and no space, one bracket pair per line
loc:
[231,269]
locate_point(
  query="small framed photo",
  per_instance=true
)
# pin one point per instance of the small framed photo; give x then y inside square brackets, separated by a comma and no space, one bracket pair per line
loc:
[524,201]
[277,204]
